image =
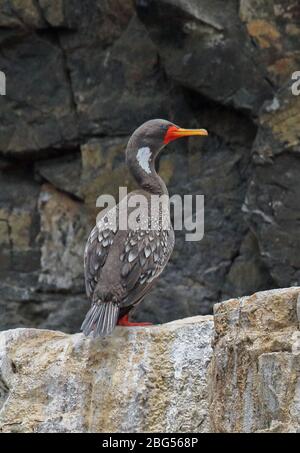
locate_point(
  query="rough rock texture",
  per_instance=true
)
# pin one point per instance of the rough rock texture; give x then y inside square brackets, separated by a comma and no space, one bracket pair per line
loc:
[273,195]
[81,76]
[137,380]
[207,31]
[256,363]
[62,232]
[238,372]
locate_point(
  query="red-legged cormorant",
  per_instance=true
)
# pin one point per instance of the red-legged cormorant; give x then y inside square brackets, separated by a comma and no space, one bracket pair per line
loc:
[121,266]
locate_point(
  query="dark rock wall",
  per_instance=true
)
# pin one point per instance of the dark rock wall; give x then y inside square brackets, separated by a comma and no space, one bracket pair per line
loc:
[81,76]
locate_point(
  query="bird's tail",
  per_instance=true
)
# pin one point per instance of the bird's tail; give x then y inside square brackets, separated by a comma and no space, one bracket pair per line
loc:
[101,319]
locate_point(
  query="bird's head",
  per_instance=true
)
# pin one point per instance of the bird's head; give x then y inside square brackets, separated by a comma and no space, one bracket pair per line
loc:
[158,133]
[148,140]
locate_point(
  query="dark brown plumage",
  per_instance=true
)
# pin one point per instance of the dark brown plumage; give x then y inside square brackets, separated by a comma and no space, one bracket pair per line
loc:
[122,266]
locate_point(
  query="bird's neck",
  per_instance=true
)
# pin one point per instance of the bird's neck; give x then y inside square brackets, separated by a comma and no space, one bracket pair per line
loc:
[141,164]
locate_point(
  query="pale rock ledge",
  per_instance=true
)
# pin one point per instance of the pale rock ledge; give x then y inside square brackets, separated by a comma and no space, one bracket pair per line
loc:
[238,371]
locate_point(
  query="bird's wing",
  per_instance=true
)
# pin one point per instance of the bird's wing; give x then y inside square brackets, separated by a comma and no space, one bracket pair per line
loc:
[96,251]
[144,257]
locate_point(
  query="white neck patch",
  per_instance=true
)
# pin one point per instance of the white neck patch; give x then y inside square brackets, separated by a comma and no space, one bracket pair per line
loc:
[143,158]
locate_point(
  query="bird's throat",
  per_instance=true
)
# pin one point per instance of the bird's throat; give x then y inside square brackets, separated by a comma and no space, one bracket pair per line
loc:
[142,167]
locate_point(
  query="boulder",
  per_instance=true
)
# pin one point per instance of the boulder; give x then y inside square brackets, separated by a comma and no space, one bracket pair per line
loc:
[238,371]
[256,363]
[60,388]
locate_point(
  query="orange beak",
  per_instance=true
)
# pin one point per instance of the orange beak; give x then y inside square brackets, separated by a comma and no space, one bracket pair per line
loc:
[175,132]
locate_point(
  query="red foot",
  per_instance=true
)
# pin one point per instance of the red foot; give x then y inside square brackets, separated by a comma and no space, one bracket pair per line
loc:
[125,322]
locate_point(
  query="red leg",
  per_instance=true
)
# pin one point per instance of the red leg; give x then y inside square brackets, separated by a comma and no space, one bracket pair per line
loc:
[125,322]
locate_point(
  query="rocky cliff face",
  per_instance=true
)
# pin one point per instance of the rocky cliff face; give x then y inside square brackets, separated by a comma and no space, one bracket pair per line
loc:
[238,371]
[81,76]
